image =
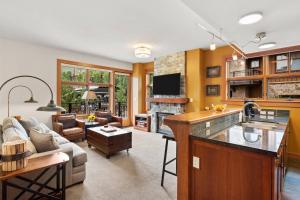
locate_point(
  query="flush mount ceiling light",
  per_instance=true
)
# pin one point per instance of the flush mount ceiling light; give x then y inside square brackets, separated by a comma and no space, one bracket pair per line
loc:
[251,18]
[142,52]
[267,45]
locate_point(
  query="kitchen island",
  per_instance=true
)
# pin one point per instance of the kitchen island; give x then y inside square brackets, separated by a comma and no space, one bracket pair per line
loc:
[221,158]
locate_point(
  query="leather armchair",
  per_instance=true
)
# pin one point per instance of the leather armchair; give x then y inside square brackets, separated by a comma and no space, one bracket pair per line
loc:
[106,118]
[68,126]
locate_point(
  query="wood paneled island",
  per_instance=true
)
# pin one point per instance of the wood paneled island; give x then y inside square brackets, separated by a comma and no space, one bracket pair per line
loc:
[235,162]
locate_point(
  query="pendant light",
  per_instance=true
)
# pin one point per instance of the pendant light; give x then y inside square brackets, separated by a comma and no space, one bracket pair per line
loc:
[213,44]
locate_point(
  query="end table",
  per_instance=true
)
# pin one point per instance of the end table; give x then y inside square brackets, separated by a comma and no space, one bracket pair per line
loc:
[45,162]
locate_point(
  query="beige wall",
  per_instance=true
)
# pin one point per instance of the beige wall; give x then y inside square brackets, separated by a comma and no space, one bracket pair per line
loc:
[18,58]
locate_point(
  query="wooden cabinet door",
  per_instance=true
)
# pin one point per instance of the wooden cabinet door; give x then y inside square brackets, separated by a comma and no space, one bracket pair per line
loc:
[249,176]
[209,181]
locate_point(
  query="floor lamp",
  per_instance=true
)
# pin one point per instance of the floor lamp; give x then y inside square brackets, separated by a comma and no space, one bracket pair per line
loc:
[87,96]
[51,106]
[31,100]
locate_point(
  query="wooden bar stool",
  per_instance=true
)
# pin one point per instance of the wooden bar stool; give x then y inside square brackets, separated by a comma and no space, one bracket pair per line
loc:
[168,138]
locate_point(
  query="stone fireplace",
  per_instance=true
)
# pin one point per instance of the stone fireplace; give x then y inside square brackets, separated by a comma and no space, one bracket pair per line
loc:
[160,126]
[170,64]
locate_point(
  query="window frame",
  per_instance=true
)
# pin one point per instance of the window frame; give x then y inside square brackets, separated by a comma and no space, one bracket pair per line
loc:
[111,84]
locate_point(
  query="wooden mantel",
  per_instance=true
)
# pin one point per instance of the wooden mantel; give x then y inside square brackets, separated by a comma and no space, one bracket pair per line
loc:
[169,100]
[181,127]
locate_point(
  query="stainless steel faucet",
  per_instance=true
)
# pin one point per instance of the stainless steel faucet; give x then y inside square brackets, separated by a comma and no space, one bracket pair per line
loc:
[246,104]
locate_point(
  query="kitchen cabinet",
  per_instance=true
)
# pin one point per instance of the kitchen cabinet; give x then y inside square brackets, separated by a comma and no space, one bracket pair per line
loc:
[233,174]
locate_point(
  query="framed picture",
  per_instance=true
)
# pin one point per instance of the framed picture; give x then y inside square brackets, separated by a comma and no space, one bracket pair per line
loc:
[212,72]
[213,90]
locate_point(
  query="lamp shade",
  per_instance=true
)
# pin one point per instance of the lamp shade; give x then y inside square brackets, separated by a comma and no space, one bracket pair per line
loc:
[51,107]
[89,95]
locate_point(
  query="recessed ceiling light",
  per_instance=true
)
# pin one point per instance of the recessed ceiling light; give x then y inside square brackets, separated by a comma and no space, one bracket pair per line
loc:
[142,52]
[267,45]
[251,18]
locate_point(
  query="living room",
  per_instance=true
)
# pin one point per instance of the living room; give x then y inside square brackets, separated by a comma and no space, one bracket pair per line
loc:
[116,101]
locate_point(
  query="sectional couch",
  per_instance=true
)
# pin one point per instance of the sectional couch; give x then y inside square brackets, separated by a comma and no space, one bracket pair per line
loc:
[75,168]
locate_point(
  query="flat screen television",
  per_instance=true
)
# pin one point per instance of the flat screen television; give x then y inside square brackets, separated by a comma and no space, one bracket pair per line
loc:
[166,84]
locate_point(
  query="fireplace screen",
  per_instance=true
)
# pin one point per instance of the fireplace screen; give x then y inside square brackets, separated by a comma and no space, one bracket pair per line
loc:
[161,127]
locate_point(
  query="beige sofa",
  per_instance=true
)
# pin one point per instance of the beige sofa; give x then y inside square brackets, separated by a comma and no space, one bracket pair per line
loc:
[75,168]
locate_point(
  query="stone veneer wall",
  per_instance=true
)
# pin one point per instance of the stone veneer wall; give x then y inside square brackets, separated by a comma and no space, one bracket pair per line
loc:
[170,64]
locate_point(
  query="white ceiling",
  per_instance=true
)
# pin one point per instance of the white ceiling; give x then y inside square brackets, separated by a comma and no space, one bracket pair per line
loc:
[112,28]
[280,21]
[108,28]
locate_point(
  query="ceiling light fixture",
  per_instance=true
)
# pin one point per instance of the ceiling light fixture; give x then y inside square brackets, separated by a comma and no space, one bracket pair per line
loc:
[142,52]
[213,45]
[267,45]
[251,18]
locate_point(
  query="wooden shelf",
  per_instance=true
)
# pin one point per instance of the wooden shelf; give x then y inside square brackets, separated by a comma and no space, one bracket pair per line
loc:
[169,100]
[145,119]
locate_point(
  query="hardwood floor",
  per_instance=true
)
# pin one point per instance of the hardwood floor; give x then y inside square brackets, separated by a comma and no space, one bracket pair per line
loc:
[292,184]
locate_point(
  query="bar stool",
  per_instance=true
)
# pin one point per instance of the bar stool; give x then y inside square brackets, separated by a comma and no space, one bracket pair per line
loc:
[168,138]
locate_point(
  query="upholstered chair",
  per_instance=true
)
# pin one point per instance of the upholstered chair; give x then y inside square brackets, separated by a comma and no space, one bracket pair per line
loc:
[106,118]
[68,126]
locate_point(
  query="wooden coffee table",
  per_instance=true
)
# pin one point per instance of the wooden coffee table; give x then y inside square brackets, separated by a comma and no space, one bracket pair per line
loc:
[109,142]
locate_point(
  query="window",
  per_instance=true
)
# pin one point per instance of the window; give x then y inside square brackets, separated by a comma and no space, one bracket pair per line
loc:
[71,98]
[121,95]
[98,76]
[73,74]
[295,61]
[106,82]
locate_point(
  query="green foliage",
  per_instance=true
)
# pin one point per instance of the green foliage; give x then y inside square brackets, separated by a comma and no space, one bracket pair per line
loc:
[97,76]
[73,74]
[69,95]
[121,88]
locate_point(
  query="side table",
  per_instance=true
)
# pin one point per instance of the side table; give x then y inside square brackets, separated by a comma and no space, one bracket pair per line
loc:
[57,159]
[90,125]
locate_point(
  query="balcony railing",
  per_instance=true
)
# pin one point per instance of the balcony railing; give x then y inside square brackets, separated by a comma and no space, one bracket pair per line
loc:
[243,73]
[121,109]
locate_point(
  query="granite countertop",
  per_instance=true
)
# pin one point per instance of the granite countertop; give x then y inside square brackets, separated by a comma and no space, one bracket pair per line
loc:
[197,117]
[261,140]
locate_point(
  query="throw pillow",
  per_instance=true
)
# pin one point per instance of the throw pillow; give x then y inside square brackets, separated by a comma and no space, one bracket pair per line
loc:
[68,123]
[106,115]
[29,124]
[13,123]
[11,132]
[43,141]
[42,128]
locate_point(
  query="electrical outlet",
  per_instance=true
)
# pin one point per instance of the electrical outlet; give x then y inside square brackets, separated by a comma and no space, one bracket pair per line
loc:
[263,112]
[207,124]
[196,162]
[207,132]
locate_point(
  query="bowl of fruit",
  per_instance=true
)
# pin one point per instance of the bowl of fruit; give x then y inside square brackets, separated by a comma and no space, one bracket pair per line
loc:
[219,107]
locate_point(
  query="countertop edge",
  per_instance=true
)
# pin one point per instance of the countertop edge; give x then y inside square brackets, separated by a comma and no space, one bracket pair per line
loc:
[236,146]
[213,115]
